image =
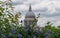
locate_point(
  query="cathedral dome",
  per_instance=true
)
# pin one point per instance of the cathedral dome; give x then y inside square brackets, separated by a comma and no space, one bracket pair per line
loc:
[30,14]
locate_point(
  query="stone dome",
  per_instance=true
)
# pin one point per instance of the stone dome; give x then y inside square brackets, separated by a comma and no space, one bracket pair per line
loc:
[30,14]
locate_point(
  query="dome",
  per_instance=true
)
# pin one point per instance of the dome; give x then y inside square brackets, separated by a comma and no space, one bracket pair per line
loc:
[30,14]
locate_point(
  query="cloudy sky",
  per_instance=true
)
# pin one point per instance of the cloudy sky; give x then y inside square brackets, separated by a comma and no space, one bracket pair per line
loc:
[49,10]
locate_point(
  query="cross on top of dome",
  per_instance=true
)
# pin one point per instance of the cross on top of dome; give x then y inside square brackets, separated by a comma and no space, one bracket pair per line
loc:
[30,8]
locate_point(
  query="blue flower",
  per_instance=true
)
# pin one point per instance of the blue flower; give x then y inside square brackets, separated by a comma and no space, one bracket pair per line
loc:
[28,27]
[37,33]
[46,34]
[19,35]
[3,36]
[49,33]
[47,37]
[14,31]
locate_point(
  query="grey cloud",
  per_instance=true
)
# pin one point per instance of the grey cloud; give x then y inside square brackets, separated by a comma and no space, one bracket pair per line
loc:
[44,9]
[57,9]
[50,15]
[18,2]
[44,12]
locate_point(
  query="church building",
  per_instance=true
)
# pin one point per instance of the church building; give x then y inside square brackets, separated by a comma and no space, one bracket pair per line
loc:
[29,17]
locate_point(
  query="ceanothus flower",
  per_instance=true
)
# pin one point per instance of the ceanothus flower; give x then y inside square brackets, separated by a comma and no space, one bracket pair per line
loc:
[28,27]
[19,35]
[49,33]
[14,31]
[3,36]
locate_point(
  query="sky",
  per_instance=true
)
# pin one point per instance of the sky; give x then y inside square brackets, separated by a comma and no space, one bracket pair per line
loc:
[49,10]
